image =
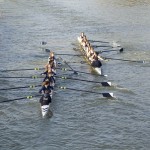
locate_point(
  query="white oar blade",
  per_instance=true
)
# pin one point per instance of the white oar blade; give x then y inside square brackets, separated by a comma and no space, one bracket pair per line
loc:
[106,83]
[108,95]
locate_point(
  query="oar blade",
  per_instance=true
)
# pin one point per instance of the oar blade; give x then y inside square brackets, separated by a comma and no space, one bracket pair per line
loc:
[106,83]
[98,41]
[44,43]
[47,50]
[110,50]
[108,95]
[121,50]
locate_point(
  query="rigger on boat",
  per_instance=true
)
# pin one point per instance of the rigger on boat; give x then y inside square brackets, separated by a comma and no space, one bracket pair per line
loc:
[90,55]
[48,85]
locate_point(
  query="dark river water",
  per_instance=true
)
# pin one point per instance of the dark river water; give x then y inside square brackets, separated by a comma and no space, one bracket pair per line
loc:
[79,121]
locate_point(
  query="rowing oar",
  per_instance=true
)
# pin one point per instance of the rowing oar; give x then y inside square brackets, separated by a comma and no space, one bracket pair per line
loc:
[30,77]
[137,61]
[22,69]
[114,44]
[108,95]
[104,51]
[96,46]
[98,41]
[43,43]
[65,69]
[48,50]
[75,72]
[21,98]
[29,86]
[102,83]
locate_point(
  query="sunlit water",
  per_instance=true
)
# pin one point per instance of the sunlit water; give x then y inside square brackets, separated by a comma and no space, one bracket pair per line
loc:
[80,120]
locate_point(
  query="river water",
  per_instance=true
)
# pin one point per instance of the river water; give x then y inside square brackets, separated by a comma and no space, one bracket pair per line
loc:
[79,120]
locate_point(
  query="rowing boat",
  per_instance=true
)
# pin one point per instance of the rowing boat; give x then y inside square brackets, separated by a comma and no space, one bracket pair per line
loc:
[83,50]
[45,109]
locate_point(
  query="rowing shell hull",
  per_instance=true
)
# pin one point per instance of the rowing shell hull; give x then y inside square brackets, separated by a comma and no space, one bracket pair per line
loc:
[45,109]
[98,70]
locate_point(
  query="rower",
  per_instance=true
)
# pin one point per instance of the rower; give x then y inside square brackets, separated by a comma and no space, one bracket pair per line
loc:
[50,77]
[90,52]
[87,47]
[53,66]
[46,90]
[82,35]
[51,56]
[52,59]
[84,41]
[48,67]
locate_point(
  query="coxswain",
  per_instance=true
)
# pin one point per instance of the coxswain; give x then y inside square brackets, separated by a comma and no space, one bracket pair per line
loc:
[46,91]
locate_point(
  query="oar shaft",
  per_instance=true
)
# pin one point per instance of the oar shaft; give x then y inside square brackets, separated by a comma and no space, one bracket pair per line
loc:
[96,46]
[68,65]
[103,83]
[47,50]
[105,51]
[97,41]
[21,98]
[22,69]
[123,59]
[65,69]
[69,54]
[79,90]
[31,86]
[32,77]
[15,77]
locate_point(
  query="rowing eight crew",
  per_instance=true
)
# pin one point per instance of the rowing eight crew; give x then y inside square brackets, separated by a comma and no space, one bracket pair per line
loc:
[91,54]
[48,81]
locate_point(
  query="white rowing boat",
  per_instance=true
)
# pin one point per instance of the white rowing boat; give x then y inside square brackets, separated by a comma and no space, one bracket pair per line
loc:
[83,50]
